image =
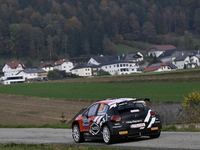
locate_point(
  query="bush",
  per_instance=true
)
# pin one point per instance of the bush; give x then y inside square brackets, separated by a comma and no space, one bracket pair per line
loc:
[190,111]
[103,73]
[52,75]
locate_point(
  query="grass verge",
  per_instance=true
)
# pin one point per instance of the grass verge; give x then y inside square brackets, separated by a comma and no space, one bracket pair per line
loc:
[10,146]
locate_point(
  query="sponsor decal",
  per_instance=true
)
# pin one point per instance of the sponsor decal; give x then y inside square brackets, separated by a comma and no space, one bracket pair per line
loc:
[114,127]
[144,104]
[136,110]
[94,128]
[101,106]
[123,132]
[154,128]
[137,125]
[134,121]
[85,122]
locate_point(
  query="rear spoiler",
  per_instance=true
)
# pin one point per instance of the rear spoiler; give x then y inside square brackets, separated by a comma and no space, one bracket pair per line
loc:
[142,99]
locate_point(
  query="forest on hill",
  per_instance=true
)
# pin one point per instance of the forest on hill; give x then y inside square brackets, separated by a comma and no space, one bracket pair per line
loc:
[53,29]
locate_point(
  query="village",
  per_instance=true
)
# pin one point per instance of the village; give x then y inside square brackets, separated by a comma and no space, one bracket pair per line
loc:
[170,58]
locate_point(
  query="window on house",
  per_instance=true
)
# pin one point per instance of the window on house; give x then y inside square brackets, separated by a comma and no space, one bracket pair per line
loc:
[117,65]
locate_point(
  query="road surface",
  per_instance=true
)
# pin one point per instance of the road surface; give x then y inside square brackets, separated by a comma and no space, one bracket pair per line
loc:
[167,140]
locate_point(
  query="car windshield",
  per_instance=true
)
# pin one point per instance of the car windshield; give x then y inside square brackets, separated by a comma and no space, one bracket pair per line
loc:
[132,106]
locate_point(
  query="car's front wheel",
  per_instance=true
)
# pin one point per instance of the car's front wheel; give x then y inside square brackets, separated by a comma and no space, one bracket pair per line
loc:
[76,134]
[108,139]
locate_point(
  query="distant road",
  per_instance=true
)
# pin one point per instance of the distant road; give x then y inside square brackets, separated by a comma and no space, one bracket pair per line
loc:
[167,140]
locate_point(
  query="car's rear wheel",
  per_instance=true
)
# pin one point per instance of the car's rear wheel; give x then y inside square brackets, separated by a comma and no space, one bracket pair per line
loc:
[108,139]
[76,134]
[156,135]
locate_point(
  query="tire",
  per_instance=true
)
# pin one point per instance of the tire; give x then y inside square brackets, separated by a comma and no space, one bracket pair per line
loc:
[156,135]
[76,134]
[107,138]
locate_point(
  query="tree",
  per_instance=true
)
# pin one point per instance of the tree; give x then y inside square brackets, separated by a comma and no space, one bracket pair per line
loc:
[188,41]
[14,32]
[190,111]
[108,46]
[148,30]
[197,20]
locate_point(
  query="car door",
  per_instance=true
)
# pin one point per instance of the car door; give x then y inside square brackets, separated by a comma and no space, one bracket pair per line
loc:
[88,119]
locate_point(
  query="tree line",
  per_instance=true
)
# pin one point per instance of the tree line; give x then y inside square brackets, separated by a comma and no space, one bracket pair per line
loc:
[53,29]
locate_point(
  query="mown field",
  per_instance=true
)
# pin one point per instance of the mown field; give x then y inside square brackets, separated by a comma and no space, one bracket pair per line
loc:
[98,91]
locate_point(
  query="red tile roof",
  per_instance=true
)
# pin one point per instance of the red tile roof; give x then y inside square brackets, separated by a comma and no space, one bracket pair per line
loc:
[14,65]
[154,67]
[60,62]
[45,65]
[163,47]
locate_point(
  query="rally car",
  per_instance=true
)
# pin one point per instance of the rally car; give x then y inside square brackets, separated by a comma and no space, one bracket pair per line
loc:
[114,119]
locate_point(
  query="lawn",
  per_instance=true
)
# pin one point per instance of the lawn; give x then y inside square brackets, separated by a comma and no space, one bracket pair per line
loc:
[99,91]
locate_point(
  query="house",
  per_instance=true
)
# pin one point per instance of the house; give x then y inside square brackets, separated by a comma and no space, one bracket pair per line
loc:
[12,68]
[119,67]
[134,57]
[33,74]
[188,59]
[99,59]
[63,65]
[160,67]
[157,50]
[46,66]
[170,55]
[86,70]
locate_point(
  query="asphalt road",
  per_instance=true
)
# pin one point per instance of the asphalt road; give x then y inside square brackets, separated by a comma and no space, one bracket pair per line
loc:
[167,140]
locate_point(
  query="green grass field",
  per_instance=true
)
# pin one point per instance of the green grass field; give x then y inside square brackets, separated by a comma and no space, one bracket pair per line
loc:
[98,91]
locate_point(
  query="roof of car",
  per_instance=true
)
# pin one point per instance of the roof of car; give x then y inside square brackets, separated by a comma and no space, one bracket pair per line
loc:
[113,102]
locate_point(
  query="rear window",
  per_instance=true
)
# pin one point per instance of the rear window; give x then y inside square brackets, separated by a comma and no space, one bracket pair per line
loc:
[132,106]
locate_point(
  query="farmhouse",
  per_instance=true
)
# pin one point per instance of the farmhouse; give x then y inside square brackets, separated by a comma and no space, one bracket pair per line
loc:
[97,60]
[134,57]
[86,70]
[33,74]
[160,67]
[188,59]
[12,68]
[63,65]
[170,55]
[119,67]
[157,50]
[46,66]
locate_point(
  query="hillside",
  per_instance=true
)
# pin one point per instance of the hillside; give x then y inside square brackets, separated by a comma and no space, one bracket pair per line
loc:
[54,29]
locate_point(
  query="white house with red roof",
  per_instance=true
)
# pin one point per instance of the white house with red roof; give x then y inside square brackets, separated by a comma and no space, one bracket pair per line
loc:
[46,66]
[12,68]
[63,65]
[157,50]
[160,67]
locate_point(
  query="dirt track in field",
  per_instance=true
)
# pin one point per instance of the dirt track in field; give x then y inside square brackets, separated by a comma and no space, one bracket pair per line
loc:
[21,110]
